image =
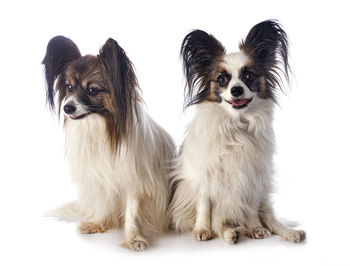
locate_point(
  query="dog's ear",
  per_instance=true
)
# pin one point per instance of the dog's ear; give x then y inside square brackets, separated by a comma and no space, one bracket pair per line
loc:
[59,52]
[200,52]
[267,45]
[123,85]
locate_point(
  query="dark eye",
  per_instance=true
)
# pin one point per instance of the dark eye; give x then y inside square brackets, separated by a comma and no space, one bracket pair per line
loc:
[222,80]
[92,91]
[69,87]
[249,76]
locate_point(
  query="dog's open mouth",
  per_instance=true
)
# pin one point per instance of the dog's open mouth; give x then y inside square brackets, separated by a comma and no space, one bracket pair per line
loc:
[78,117]
[239,103]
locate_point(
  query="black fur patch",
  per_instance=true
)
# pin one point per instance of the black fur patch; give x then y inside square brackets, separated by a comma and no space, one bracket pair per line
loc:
[201,53]
[267,46]
[59,52]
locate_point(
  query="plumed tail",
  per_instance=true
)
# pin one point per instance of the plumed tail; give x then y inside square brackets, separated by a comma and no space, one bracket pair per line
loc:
[68,212]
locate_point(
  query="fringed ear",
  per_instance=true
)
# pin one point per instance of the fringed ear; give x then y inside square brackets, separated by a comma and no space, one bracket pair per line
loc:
[123,83]
[59,52]
[267,45]
[201,53]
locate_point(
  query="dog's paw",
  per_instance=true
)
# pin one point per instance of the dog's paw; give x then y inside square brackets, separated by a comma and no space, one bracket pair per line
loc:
[259,233]
[90,228]
[203,234]
[231,235]
[295,236]
[138,243]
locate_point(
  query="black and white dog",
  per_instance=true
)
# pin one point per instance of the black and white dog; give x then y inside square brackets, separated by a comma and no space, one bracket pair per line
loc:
[223,173]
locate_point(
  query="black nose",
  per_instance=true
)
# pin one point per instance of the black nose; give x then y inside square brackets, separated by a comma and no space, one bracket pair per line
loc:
[237,91]
[69,109]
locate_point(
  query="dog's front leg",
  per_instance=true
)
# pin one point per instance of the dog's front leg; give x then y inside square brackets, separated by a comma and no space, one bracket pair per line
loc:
[202,228]
[224,229]
[253,224]
[133,238]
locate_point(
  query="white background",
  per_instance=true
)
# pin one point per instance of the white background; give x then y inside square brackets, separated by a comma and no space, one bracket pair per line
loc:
[312,126]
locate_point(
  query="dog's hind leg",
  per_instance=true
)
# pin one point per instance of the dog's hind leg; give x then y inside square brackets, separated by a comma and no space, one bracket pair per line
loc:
[101,226]
[270,222]
[92,228]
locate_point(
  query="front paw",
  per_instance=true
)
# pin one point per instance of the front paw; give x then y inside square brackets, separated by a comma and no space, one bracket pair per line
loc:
[231,235]
[203,234]
[259,233]
[138,243]
[295,236]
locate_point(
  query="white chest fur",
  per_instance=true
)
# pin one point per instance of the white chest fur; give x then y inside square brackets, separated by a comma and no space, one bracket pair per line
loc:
[228,159]
[106,178]
[88,151]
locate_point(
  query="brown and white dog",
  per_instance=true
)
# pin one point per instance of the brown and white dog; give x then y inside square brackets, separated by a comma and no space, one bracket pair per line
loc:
[223,174]
[118,156]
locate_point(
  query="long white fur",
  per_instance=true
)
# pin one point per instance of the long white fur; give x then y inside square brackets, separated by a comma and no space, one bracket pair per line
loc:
[223,175]
[130,187]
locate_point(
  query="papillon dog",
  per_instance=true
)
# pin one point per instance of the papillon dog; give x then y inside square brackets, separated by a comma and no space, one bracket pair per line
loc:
[223,175]
[118,156]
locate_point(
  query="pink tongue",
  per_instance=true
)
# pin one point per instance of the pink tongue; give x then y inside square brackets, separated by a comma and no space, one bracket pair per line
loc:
[239,102]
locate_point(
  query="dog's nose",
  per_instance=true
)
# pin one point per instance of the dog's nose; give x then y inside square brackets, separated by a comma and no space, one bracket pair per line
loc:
[237,91]
[69,109]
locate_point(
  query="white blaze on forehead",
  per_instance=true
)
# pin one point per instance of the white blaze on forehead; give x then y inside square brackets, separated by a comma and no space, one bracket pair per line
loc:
[234,62]
[67,99]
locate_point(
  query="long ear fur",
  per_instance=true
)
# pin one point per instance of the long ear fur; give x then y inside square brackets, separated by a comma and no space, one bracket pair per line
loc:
[200,52]
[267,44]
[59,52]
[123,86]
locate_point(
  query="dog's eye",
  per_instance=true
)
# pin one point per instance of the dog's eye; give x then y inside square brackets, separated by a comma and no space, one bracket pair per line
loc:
[69,87]
[222,80]
[249,76]
[92,91]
